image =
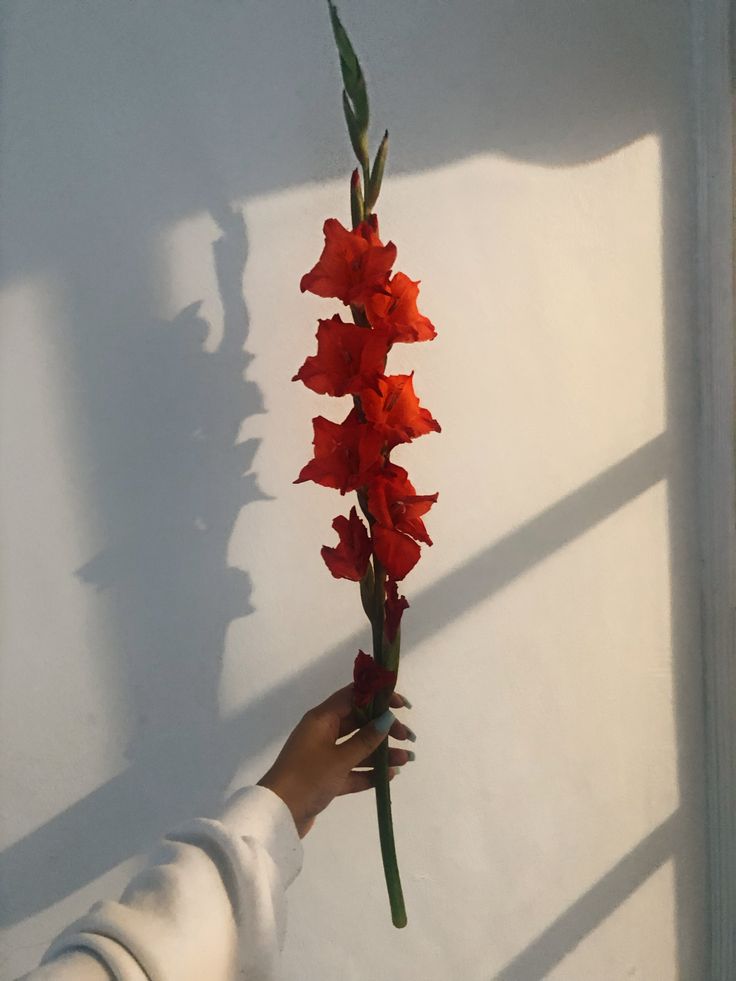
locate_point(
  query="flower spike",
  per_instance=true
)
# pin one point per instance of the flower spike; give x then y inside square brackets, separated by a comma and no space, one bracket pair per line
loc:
[356,268]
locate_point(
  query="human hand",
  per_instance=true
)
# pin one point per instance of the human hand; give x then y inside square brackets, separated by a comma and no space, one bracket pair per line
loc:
[311,769]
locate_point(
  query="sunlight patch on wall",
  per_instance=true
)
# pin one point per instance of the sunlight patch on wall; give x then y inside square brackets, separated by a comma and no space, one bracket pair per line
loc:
[546,288]
[53,634]
[647,919]
[185,251]
[546,597]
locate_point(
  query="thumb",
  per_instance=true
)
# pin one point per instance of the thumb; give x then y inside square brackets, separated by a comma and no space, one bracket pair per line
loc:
[366,739]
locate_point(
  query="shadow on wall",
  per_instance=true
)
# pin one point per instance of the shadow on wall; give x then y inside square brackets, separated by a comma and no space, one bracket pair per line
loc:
[123,122]
[248,732]
[175,481]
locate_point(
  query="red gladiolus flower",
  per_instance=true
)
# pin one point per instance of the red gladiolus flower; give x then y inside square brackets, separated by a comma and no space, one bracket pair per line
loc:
[396,412]
[346,454]
[369,678]
[353,263]
[394,503]
[394,308]
[349,358]
[349,559]
[397,553]
[395,606]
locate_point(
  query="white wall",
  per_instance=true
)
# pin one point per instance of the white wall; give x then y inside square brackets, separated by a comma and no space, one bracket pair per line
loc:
[165,616]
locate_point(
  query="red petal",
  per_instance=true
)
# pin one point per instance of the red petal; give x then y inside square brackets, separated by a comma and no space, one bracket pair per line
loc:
[396,552]
[396,412]
[395,308]
[349,358]
[349,560]
[369,678]
[346,454]
[395,606]
[353,264]
[394,503]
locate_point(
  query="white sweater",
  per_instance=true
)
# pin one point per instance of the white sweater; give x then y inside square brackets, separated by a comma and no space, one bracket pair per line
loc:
[210,905]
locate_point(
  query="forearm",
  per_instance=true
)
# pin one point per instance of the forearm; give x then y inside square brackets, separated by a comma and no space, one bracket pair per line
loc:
[210,904]
[75,965]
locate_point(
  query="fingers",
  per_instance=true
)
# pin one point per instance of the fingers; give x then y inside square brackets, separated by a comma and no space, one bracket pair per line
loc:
[351,722]
[399,731]
[399,701]
[396,757]
[356,781]
[367,739]
[340,703]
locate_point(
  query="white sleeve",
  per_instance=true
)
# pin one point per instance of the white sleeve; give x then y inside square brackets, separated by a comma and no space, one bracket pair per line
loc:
[210,905]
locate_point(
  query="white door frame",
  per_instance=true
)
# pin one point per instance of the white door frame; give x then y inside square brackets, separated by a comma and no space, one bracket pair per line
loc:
[712,100]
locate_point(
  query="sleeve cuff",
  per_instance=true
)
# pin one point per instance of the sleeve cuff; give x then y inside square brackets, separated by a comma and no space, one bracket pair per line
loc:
[258,812]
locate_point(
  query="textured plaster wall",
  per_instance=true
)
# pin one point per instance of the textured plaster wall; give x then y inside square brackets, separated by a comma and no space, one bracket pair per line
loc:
[165,169]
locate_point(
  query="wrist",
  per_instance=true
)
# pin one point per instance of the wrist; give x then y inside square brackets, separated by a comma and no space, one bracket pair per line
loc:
[278,787]
[256,812]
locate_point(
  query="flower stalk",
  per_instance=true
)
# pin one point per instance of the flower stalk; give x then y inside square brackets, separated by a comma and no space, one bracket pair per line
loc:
[382,651]
[355,455]
[388,656]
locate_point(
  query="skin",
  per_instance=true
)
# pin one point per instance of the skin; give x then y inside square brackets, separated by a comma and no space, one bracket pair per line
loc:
[312,768]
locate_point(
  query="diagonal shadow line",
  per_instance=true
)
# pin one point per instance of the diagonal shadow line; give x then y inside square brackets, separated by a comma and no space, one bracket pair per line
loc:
[588,911]
[78,836]
[481,576]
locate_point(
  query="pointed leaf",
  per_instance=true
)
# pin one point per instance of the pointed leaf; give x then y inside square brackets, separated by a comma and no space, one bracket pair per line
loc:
[352,74]
[358,138]
[357,207]
[374,184]
[366,591]
[392,652]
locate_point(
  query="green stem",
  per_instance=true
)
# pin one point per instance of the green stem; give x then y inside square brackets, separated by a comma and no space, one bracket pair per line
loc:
[383,791]
[379,599]
[386,835]
[366,185]
[382,655]
[355,105]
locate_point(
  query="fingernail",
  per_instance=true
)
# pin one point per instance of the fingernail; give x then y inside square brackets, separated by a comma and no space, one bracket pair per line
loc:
[411,755]
[406,702]
[410,734]
[395,771]
[384,722]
